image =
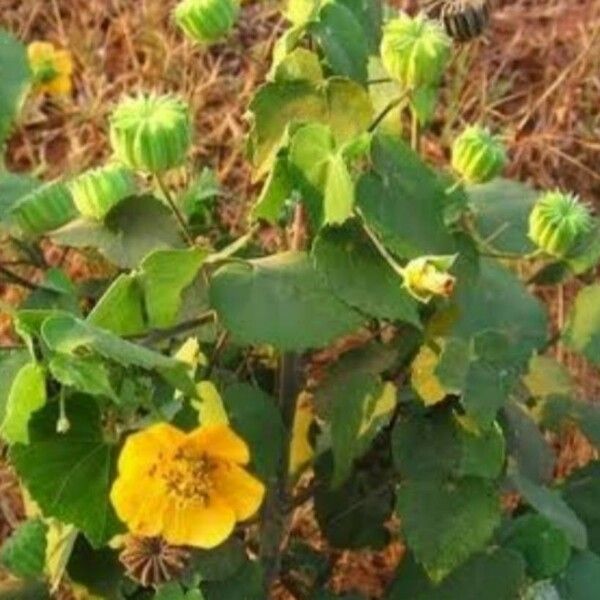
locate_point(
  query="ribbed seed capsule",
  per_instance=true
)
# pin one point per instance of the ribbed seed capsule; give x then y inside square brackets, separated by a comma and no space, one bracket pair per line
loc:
[477,155]
[558,222]
[415,50]
[465,20]
[206,21]
[151,133]
[44,209]
[95,192]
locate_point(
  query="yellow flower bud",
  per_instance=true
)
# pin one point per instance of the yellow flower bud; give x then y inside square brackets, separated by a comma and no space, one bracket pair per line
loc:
[51,68]
[428,276]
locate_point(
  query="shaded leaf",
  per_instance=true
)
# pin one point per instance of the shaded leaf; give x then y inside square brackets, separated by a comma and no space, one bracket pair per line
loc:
[15,76]
[24,552]
[445,523]
[66,334]
[550,504]
[69,474]
[358,275]
[501,210]
[131,230]
[285,303]
[580,581]
[582,332]
[85,374]
[401,200]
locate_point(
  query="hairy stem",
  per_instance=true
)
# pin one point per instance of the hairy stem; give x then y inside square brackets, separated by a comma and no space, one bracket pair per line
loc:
[275,511]
[386,110]
[175,209]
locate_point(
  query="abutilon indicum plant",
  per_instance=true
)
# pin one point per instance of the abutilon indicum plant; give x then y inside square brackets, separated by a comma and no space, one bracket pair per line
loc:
[167,423]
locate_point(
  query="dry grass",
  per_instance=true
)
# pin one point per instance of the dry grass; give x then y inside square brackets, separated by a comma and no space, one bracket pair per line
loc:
[536,78]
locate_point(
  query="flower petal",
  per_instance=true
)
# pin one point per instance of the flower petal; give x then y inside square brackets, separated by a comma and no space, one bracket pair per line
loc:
[202,526]
[148,447]
[243,492]
[37,51]
[63,62]
[140,503]
[219,441]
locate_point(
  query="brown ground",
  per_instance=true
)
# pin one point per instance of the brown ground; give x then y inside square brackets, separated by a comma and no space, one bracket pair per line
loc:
[536,77]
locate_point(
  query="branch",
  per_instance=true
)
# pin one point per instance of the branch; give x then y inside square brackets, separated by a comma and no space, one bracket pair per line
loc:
[388,108]
[158,335]
[18,280]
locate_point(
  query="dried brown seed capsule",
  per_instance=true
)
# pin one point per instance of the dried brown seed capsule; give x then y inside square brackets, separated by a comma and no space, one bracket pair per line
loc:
[465,20]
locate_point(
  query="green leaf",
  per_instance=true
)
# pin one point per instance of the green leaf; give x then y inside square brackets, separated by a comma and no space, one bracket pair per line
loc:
[544,547]
[246,583]
[493,575]
[58,293]
[11,363]
[324,174]
[27,395]
[359,276]
[221,562]
[299,65]
[550,504]
[423,101]
[340,103]
[582,332]
[402,201]
[85,374]
[276,190]
[369,15]
[486,390]
[546,376]
[279,300]
[501,214]
[371,359]
[438,445]
[66,334]
[98,570]
[15,76]
[254,415]
[24,590]
[582,493]
[69,474]
[165,274]
[342,40]
[13,186]
[24,553]
[131,230]
[580,581]
[354,514]
[447,522]
[300,12]
[497,301]
[170,591]
[120,310]
[348,407]
[526,445]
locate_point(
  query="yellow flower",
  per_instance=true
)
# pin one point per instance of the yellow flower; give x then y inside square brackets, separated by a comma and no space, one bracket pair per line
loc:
[51,68]
[427,276]
[189,488]
[301,450]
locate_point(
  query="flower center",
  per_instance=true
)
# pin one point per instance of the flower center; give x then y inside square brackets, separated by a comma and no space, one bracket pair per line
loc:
[189,477]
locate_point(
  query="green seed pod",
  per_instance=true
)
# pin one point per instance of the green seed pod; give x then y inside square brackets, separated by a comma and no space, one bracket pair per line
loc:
[95,192]
[151,133]
[206,21]
[415,50]
[44,209]
[558,222]
[478,156]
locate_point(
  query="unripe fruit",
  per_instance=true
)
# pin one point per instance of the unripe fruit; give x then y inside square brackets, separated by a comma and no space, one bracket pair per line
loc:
[151,133]
[558,222]
[206,21]
[414,50]
[477,155]
[43,209]
[95,192]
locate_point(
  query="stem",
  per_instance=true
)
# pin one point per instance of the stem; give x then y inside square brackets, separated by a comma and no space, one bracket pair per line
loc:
[178,214]
[18,280]
[381,248]
[379,80]
[164,334]
[387,109]
[275,513]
